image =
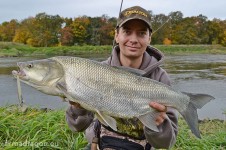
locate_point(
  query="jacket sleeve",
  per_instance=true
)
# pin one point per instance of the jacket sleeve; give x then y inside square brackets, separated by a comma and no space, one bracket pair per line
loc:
[166,137]
[78,119]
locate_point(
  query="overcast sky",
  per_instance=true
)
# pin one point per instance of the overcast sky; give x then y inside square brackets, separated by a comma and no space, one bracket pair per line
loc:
[22,9]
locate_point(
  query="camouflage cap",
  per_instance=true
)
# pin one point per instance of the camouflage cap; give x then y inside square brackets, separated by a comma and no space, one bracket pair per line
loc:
[135,12]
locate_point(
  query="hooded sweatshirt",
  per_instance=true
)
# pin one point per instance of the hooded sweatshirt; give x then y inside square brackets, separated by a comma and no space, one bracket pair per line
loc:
[79,119]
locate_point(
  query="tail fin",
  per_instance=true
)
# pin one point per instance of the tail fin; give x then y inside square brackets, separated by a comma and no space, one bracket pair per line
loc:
[190,115]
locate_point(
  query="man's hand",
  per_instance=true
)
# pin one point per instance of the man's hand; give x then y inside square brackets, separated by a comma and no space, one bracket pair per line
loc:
[74,104]
[162,109]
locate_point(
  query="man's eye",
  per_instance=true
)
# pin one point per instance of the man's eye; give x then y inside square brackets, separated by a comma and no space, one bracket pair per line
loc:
[142,33]
[127,32]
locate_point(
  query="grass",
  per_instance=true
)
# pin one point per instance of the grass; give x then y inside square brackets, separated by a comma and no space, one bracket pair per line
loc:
[213,134]
[192,49]
[36,129]
[10,49]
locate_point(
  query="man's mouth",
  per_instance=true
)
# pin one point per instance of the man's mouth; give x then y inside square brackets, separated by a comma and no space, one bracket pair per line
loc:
[132,48]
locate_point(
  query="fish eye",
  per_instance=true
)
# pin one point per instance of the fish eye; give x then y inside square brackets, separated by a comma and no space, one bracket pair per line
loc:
[30,65]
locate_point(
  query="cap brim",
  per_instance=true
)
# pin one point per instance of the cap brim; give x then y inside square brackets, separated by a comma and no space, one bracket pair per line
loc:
[128,19]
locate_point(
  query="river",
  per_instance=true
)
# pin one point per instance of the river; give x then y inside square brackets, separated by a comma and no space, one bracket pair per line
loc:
[189,73]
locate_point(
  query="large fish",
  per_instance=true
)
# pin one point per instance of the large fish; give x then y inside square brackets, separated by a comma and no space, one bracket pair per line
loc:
[109,91]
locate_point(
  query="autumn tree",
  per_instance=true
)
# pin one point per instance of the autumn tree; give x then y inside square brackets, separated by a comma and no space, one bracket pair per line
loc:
[186,31]
[7,30]
[47,30]
[106,31]
[24,31]
[43,30]
[80,28]
[66,36]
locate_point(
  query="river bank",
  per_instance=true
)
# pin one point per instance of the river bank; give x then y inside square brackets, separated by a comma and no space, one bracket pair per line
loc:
[48,130]
[10,49]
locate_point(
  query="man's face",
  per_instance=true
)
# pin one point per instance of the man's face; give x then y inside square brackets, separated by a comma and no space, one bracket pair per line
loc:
[133,38]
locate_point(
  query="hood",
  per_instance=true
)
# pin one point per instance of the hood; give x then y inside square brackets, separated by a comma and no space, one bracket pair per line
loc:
[152,59]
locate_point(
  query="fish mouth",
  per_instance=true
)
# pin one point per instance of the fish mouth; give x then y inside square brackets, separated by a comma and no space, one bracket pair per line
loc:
[20,73]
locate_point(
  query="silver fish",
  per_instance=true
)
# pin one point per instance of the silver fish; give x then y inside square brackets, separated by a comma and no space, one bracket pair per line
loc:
[109,91]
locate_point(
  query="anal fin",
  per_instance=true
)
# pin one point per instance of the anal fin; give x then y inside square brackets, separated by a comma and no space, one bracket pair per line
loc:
[149,120]
[106,120]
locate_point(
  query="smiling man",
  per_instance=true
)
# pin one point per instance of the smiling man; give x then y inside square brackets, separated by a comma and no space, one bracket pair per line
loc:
[132,37]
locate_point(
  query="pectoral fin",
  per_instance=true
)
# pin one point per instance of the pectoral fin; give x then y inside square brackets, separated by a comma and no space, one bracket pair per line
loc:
[149,120]
[106,120]
[65,94]
[61,87]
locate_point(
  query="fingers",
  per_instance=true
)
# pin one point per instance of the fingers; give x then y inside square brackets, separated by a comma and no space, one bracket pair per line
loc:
[158,107]
[77,105]
[162,109]
[160,119]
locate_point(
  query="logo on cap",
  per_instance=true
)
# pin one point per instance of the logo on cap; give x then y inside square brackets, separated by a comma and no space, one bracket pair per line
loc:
[129,12]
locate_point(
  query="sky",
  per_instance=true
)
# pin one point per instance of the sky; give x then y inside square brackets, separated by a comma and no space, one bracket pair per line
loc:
[22,9]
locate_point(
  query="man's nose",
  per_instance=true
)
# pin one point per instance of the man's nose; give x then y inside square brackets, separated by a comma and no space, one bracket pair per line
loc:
[134,38]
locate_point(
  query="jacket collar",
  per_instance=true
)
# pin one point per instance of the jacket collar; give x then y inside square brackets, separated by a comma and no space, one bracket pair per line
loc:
[152,59]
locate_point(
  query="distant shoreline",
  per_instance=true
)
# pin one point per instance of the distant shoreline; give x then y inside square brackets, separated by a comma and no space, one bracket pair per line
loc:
[11,49]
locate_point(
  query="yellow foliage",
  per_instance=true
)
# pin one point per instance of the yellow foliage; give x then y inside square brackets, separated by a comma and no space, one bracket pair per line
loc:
[167,41]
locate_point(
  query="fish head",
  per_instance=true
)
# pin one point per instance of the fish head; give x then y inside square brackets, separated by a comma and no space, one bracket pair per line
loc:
[40,74]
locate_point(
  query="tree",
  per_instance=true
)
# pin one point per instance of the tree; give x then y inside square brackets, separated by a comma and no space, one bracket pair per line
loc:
[213,31]
[175,17]
[66,36]
[187,31]
[24,31]
[167,41]
[47,29]
[102,30]
[222,35]
[106,31]
[21,36]
[80,27]
[7,30]
[160,27]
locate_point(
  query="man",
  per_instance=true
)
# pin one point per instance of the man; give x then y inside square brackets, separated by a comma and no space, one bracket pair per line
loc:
[133,36]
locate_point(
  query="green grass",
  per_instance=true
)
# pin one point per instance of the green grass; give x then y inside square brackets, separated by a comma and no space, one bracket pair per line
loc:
[213,134]
[192,49]
[10,49]
[36,129]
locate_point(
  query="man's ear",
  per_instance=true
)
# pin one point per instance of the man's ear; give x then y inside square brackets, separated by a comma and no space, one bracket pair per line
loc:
[150,38]
[116,36]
